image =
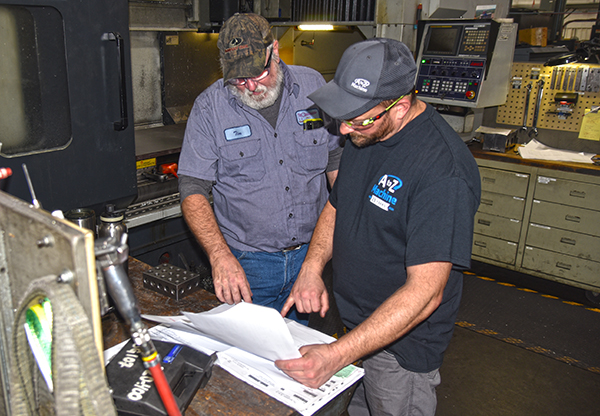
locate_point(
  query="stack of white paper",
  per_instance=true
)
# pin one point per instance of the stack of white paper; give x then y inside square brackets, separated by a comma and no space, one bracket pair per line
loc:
[247,339]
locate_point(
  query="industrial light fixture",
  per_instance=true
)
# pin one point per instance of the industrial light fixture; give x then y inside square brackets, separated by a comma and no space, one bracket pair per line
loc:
[315,27]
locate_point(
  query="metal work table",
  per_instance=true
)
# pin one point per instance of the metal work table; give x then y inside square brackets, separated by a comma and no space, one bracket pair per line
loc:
[224,394]
[512,157]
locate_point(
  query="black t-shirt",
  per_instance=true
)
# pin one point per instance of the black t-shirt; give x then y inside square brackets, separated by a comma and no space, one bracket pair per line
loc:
[406,201]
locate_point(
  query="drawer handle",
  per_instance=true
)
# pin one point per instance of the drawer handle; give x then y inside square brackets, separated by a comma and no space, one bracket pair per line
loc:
[568,241]
[565,266]
[573,218]
[578,194]
[484,222]
[486,179]
[480,244]
[487,201]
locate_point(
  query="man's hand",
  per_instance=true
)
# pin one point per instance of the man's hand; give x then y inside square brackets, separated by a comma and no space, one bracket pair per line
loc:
[229,279]
[308,293]
[317,365]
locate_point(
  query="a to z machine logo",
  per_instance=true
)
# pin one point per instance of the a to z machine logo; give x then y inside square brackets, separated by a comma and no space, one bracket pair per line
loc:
[382,193]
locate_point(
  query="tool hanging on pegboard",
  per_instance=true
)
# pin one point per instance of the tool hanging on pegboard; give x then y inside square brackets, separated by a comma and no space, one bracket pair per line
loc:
[557,111]
[538,103]
[526,106]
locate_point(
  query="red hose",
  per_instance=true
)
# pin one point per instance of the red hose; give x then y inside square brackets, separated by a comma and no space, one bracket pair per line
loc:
[164,390]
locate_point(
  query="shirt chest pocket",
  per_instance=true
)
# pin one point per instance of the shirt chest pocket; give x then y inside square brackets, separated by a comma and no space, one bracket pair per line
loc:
[242,161]
[312,151]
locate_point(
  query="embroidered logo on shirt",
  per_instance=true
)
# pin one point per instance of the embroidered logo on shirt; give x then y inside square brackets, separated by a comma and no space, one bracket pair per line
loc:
[302,115]
[382,193]
[240,132]
[361,84]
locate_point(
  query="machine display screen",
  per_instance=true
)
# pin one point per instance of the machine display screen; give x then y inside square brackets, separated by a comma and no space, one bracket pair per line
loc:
[442,40]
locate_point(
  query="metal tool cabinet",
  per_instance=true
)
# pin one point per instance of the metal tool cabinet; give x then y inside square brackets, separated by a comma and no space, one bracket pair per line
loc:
[540,221]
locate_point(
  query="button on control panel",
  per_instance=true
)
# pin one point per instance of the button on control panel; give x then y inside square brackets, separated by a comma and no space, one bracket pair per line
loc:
[451,78]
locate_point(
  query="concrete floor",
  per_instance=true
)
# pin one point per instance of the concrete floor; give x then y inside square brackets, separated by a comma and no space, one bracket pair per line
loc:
[483,376]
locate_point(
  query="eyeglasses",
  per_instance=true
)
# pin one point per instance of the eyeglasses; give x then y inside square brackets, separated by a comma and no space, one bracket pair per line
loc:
[263,75]
[365,124]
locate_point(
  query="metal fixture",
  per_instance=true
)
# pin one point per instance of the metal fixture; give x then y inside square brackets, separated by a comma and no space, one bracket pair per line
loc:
[172,281]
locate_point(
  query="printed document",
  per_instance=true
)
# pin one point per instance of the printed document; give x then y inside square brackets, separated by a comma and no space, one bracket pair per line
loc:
[248,339]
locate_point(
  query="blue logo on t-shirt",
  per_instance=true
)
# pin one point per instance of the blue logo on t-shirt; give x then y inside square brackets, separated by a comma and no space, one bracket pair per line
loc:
[382,193]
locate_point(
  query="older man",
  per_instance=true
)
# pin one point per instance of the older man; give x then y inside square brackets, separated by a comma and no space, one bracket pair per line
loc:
[246,140]
[398,226]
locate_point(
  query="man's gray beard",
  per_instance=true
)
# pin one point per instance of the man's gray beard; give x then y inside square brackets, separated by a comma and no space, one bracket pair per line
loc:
[246,97]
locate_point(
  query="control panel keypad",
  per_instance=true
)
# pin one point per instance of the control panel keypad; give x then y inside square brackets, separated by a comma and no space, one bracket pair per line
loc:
[475,41]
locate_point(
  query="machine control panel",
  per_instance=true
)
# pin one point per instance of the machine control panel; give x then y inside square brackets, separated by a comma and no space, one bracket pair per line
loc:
[456,79]
[456,59]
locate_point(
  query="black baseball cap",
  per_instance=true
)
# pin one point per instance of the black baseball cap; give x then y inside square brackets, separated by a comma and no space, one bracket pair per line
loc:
[369,72]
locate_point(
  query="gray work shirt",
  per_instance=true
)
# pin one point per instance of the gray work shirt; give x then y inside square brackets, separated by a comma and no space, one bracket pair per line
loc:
[270,184]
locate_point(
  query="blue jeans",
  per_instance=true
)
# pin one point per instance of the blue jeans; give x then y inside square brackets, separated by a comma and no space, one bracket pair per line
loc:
[271,277]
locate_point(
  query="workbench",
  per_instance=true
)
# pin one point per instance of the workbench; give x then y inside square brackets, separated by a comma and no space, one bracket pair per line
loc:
[539,217]
[224,394]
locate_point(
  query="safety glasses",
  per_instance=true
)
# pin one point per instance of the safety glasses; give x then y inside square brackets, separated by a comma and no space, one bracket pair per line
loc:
[365,124]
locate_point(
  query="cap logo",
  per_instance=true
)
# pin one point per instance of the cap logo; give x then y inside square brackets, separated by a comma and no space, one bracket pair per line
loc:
[235,42]
[360,84]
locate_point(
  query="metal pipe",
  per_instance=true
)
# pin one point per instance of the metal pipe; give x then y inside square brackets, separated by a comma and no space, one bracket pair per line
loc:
[557,21]
[195,11]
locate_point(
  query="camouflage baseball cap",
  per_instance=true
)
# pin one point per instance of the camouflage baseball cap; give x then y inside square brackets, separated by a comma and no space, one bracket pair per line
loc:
[243,42]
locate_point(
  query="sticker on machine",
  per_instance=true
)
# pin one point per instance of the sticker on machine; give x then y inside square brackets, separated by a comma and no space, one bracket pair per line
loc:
[382,193]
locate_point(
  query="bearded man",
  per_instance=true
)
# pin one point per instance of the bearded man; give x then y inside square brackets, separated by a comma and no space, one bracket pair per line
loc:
[246,141]
[398,227]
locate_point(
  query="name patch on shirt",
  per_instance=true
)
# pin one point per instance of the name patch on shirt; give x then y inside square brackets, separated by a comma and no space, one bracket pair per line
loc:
[302,115]
[382,193]
[236,133]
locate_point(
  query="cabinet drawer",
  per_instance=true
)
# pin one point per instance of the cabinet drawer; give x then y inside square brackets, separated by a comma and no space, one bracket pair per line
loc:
[494,249]
[563,266]
[499,227]
[565,217]
[504,182]
[502,205]
[562,191]
[565,242]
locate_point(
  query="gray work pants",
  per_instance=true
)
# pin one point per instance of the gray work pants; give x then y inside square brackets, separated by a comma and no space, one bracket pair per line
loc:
[390,390]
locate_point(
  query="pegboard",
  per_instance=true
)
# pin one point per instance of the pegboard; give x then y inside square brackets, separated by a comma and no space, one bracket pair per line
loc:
[566,79]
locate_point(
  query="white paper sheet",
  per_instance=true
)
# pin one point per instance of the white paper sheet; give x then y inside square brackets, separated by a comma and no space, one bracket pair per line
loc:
[259,329]
[492,130]
[537,150]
